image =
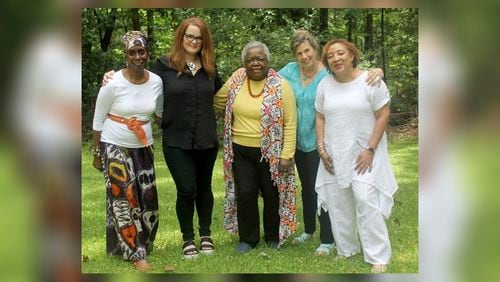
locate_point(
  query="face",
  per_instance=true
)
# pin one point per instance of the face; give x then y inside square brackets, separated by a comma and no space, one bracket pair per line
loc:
[339,59]
[192,40]
[305,54]
[136,56]
[256,63]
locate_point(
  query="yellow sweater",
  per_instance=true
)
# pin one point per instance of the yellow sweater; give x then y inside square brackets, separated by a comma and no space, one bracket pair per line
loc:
[246,115]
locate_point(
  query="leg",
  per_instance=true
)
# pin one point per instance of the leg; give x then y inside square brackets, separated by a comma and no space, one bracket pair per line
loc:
[205,160]
[145,179]
[307,167]
[123,204]
[341,210]
[371,225]
[247,189]
[182,167]
[270,196]
[325,228]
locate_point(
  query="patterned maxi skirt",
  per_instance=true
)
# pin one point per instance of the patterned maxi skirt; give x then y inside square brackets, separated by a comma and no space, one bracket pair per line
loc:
[131,201]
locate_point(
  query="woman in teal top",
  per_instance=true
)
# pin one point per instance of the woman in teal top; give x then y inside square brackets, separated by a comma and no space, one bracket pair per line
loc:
[304,76]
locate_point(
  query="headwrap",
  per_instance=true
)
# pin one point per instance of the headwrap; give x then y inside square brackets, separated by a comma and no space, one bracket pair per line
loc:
[135,38]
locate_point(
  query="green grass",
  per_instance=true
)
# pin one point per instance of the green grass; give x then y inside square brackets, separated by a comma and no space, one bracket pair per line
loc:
[403,228]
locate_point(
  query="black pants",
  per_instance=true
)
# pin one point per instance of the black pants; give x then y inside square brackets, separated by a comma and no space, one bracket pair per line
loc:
[252,175]
[307,166]
[192,174]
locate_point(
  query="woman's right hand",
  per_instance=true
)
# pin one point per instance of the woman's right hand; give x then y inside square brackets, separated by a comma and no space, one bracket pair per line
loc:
[107,77]
[327,161]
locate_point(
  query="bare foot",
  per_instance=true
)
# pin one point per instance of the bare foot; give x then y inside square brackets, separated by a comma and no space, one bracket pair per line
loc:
[379,268]
[142,265]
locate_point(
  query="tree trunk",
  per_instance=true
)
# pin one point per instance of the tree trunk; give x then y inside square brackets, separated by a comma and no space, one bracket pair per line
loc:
[323,20]
[136,23]
[151,36]
[369,35]
[382,43]
[350,24]
[106,30]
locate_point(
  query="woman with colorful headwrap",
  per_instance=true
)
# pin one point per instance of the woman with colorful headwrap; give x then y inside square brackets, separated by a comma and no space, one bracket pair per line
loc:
[122,149]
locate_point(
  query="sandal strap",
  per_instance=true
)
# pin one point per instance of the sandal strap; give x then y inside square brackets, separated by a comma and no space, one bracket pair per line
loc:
[189,248]
[206,243]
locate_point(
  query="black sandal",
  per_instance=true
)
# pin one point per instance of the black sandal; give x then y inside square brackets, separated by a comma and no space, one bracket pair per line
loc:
[189,250]
[206,245]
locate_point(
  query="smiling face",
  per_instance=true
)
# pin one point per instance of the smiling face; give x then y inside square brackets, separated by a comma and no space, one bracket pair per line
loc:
[340,60]
[306,55]
[136,56]
[256,63]
[192,41]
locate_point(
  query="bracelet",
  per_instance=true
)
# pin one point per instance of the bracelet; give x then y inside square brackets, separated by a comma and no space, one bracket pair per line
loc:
[320,145]
[366,147]
[96,151]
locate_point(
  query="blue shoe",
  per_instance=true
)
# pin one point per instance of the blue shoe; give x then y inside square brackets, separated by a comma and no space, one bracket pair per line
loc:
[302,238]
[325,249]
[243,248]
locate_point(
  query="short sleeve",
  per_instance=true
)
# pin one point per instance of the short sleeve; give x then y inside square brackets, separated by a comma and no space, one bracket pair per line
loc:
[379,96]
[320,96]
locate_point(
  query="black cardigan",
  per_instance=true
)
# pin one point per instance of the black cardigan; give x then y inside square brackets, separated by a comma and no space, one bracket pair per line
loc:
[188,115]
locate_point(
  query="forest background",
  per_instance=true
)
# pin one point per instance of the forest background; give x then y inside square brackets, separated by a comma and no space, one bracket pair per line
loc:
[388,38]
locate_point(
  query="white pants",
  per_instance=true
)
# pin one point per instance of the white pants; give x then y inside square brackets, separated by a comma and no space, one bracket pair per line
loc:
[358,206]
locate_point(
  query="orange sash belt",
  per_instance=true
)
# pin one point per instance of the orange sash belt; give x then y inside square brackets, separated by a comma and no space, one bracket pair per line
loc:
[134,125]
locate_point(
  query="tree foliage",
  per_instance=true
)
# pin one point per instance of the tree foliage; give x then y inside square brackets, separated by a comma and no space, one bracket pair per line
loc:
[387,37]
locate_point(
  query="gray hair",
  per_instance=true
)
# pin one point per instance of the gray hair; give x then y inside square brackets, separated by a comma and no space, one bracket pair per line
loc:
[300,36]
[254,44]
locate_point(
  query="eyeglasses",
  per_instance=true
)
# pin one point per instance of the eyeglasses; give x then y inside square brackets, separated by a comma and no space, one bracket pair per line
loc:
[192,38]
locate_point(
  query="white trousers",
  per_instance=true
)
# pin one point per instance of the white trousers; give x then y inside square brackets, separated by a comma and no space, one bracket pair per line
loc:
[358,206]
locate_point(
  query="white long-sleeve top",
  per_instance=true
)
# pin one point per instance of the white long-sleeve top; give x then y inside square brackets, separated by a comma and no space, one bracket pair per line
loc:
[125,99]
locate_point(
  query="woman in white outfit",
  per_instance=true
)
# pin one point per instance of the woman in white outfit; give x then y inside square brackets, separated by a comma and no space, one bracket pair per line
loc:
[355,182]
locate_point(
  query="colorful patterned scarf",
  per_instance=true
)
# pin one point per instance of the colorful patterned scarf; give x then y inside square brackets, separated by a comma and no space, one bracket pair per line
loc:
[271,128]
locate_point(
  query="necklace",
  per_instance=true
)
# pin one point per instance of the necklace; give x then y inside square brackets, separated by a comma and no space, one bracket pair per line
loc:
[191,66]
[250,90]
[306,77]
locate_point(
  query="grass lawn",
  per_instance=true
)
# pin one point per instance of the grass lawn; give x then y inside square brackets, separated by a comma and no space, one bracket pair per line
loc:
[403,228]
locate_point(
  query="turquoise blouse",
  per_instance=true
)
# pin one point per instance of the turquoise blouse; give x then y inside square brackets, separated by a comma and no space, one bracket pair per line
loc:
[304,97]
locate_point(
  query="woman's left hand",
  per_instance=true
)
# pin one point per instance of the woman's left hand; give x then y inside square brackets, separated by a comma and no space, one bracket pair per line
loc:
[285,166]
[364,162]
[374,76]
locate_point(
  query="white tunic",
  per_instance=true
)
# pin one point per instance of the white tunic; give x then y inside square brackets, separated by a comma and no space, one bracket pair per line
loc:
[122,98]
[349,110]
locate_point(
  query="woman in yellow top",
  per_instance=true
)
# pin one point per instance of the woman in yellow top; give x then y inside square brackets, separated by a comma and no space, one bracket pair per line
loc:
[259,144]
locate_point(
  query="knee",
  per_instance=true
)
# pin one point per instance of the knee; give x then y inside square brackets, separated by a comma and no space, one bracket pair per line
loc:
[186,193]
